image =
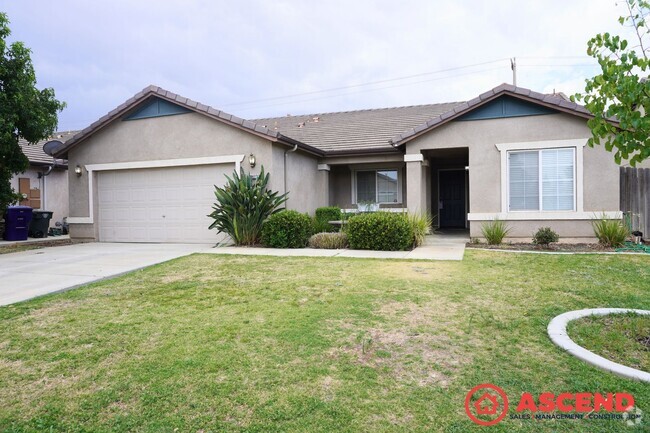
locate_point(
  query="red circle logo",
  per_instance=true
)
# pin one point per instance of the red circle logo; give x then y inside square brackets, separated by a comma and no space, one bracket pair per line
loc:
[487,401]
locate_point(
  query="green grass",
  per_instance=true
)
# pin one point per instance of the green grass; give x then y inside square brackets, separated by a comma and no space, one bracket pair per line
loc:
[622,338]
[16,248]
[212,343]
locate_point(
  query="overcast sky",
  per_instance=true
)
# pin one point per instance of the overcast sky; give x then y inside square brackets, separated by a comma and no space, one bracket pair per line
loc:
[96,54]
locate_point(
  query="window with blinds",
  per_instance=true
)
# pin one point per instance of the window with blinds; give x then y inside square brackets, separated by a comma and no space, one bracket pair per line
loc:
[541,180]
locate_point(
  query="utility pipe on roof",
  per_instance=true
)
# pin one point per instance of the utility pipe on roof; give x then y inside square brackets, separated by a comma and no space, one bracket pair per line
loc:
[295,147]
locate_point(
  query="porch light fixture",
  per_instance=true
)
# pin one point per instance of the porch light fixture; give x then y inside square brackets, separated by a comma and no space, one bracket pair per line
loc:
[77,170]
[251,160]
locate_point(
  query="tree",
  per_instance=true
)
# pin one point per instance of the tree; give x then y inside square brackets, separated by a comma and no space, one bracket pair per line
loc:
[25,111]
[621,91]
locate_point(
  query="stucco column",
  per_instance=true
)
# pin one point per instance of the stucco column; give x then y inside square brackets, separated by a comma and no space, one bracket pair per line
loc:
[414,183]
[324,184]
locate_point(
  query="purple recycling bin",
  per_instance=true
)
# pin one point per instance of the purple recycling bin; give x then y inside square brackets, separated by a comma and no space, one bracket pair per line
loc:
[17,220]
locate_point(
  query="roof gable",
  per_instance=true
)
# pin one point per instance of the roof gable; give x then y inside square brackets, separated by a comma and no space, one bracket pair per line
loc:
[128,107]
[156,107]
[554,102]
[506,106]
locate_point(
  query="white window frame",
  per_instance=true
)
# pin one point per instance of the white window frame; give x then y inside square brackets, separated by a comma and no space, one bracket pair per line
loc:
[540,184]
[399,183]
[576,144]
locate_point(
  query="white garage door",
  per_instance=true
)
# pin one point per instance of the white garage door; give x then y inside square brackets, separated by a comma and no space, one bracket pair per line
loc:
[168,204]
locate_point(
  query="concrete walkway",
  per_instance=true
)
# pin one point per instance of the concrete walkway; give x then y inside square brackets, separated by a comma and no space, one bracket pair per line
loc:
[28,274]
[435,247]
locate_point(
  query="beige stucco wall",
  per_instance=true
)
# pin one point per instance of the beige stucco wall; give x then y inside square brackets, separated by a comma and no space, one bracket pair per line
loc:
[601,173]
[53,187]
[172,137]
[305,186]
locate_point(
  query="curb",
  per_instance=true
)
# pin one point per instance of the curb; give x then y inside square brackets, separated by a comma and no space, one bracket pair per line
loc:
[557,332]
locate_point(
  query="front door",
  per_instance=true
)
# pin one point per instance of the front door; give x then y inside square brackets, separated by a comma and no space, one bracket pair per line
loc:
[451,206]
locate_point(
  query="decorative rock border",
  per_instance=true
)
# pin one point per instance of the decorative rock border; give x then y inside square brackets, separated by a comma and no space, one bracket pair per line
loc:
[557,331]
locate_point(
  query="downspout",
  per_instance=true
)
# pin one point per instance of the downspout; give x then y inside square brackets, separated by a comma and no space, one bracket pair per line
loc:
[41,176]
[295,147]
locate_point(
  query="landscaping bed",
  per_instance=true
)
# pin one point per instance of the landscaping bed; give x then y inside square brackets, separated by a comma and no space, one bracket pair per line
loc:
[48,242]
[570,248]
[269,344]
[621,338]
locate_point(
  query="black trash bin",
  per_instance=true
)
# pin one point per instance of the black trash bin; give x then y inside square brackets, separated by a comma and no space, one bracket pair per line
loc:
[40,224]
[17,220]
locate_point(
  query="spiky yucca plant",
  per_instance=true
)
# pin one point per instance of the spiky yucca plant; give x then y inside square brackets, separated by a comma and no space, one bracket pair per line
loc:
[243,205]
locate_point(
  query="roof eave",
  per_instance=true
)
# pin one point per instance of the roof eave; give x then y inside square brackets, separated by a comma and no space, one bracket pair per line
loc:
[364,152]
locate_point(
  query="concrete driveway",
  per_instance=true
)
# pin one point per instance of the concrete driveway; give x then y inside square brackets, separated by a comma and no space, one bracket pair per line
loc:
[33,273]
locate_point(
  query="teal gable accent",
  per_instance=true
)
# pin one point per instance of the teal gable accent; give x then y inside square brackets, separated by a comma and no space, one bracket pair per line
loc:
[156,107]
[506,106]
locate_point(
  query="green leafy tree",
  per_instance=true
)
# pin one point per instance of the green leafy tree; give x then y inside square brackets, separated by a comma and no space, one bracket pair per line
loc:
[621,91]
[25,111]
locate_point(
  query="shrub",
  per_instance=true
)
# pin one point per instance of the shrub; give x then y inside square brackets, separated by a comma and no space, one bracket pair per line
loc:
[610,233]
[421,225]
[323,216]
[495,231]
[287,229]
[545,236]
[242,206]
[384,231]
[329,241]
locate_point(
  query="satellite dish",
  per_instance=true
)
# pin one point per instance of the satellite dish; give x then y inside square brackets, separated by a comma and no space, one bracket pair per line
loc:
[51,146]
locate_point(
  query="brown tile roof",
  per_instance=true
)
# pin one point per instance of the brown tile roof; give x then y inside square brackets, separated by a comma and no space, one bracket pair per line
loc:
[155,91]
[34,152]
[555,101]
[361,130]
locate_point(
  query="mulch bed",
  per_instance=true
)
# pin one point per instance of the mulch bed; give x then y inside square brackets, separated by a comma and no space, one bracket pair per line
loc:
[569,248]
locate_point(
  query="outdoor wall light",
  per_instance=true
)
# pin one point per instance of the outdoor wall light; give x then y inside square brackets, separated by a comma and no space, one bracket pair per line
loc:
[251,160]
[77,170]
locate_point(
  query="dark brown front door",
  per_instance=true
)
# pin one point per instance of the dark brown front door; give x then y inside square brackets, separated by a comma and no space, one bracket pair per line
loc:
[452,198]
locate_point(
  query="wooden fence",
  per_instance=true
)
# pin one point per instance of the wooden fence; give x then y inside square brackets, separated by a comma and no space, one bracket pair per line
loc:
[635,198]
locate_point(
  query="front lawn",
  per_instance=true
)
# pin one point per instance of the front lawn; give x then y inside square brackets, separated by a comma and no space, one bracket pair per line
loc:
[212,343]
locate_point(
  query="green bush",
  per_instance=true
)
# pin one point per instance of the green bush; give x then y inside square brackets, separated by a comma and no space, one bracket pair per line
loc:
[545,236]
[421,225]
[383,231]
[287,229]
[330,241]
[323,216]
[242,206]
[610,233]
[495,231]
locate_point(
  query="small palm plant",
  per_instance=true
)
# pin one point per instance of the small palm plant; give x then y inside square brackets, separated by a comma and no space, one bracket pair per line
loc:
[495,231]
[242,206]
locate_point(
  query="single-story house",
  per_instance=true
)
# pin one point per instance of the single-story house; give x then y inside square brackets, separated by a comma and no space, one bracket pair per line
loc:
[44,185]
[148,168]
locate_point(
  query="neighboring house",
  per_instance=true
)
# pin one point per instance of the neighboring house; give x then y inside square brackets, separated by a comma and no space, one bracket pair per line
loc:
[44,185]
[148,167]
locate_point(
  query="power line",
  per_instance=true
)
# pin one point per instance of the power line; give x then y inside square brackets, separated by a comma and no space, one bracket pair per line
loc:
[370,83]
[369,90]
